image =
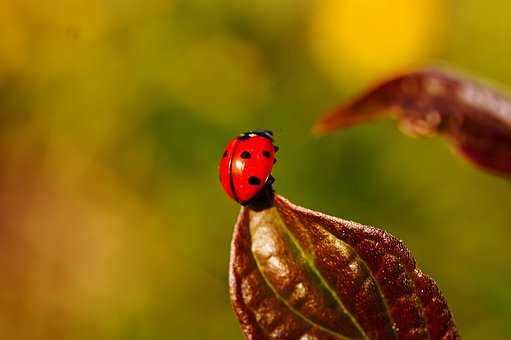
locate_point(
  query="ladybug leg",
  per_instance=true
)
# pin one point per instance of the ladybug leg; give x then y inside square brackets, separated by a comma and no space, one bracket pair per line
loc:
[271,180]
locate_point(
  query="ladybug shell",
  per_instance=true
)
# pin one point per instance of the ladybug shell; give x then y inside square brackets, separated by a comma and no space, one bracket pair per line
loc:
[246,166]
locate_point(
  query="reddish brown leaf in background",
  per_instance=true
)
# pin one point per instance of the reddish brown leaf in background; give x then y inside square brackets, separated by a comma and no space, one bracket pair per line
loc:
[474,117]
[300,274]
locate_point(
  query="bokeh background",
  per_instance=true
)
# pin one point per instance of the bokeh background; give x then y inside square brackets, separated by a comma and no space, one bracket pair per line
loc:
[113,115]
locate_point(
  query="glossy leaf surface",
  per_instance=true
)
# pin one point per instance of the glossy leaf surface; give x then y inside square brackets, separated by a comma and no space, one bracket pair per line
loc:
[300,274]
[474,117]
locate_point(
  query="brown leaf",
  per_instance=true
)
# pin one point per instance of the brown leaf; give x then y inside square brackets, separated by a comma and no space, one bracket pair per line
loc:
[299,274]
[474,117]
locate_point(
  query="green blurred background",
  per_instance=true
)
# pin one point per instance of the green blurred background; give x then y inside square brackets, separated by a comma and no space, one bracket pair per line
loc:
[113,115]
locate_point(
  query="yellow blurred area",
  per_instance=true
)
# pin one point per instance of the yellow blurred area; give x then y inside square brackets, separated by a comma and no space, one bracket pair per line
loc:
[33,34]
[368,39]
[13,42]
[66,51]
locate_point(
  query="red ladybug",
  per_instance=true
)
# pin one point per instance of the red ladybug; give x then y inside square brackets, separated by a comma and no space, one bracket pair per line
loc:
[246,164]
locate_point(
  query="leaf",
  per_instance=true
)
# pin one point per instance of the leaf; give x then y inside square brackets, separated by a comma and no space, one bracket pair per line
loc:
[299,274]
[475,118]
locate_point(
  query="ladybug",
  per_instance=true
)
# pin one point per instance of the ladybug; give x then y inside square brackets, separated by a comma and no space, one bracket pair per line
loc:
[246,164]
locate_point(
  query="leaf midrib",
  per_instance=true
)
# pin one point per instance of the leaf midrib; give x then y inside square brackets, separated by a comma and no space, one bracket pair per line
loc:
[312,266]
[310,263]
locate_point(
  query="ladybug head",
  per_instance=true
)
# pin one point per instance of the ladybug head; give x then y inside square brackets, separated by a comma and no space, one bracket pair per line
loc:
[259,132]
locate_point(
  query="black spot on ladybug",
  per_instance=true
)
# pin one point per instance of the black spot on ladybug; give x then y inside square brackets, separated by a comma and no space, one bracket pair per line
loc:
[225,154]
[253,180]
[245,155]
[266,153]
[276,148]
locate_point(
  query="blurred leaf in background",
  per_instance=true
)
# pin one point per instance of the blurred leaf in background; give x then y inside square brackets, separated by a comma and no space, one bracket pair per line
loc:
[113,115]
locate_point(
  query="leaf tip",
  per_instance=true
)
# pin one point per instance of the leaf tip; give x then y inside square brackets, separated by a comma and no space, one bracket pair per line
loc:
[319,129]
[338,118]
